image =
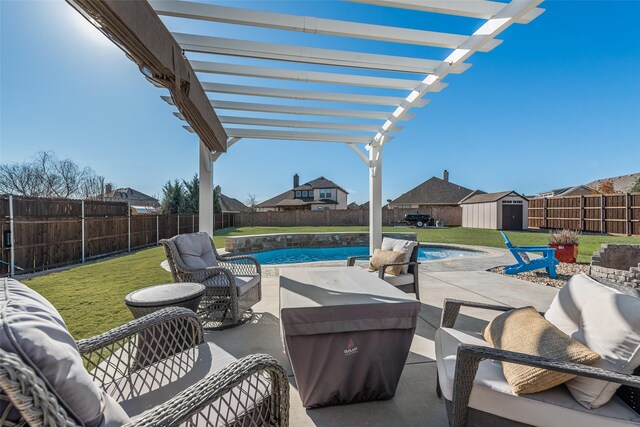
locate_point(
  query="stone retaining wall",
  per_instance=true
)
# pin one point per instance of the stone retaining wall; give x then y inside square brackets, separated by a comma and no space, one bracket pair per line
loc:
[267,242]
[617,266]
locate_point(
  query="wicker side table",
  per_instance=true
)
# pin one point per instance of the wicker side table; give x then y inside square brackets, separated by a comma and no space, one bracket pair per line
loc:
[153,298]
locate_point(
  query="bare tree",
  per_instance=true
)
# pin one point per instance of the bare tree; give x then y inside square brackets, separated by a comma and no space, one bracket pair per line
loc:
[47,176]
[252,201]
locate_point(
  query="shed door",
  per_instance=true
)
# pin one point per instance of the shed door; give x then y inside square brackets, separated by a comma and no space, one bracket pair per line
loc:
[511,216]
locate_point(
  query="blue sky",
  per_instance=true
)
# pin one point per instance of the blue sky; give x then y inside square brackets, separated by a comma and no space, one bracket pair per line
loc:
[556,104]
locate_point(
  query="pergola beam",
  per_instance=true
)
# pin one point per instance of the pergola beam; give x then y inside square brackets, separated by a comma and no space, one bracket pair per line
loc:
[481,9]
[308,76]
[299,136]
[306,24]
[268,92]
[302,124]
[303,54]
[308,111]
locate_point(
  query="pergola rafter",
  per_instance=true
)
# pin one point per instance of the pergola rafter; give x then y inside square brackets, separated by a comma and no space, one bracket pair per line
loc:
[380,87]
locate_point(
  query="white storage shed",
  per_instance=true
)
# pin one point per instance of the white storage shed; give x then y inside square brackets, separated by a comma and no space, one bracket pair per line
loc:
[506,210]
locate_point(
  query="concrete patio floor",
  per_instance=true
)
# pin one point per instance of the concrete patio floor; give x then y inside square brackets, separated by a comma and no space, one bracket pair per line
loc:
[415,403]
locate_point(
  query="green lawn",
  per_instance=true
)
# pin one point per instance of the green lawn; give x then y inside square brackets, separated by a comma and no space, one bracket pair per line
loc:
[91,297]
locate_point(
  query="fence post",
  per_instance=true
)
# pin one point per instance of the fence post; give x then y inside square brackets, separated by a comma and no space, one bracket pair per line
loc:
[544,212]
[627,218]
[178,223]
[12,242]
[193,223]
[128,227]
[582,224]
[83,235]
[157,229]
[602,214]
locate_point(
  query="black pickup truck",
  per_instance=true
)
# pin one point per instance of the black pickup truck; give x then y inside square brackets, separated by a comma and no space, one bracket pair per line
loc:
[419,220]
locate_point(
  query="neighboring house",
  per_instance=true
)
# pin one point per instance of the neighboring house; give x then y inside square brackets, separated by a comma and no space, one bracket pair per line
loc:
[506,210]
[621,184]
[578,190]
[353,205]
[316,195]
[137,200]
[434,192]
[231,205]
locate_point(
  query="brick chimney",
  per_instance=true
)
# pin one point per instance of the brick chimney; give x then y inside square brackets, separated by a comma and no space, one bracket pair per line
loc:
[296,180]
[445,175]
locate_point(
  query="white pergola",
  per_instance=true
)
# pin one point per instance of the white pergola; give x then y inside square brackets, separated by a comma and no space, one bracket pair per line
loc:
[361,128]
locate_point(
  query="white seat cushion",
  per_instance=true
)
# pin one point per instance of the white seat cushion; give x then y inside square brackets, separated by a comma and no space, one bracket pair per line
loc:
[565,309]
[245,283]
[399,280]
[491,392]
[610,326]
[397,245]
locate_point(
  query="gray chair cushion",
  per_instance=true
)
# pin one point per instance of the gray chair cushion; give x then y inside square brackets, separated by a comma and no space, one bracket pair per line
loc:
[196,250]
[245,283]
[33,329]
[492,393]
[404,246]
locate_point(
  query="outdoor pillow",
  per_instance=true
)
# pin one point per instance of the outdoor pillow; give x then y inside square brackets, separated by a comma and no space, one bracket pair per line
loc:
[196,250]
[381,257]
[524,330]
[566,308]
[610,326]
[404,246]
[33,329]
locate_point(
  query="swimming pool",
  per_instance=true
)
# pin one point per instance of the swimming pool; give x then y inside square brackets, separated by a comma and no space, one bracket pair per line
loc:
[300,255]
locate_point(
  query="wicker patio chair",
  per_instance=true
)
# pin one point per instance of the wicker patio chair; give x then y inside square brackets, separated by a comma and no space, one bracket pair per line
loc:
[250,391]
[233,282]
[469,357]
[407,282]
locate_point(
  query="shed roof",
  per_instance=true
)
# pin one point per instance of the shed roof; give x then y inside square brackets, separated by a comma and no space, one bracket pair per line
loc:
[490,197]
[434,191]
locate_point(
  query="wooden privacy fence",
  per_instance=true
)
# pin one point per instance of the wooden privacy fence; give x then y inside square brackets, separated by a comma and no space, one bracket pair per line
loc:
[39,234]
[598,213]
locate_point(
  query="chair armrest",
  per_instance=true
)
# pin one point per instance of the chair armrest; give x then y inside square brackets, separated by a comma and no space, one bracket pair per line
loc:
[116,353]
[470,356]
[351,261]
[382,269]
[240,265]
[241,386]
[451,309]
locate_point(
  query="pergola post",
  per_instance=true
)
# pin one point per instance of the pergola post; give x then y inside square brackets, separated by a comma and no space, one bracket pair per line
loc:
[205,219]
[375,195]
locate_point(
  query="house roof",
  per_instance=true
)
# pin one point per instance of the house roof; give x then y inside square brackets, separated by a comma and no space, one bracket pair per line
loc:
[229,204]
[621,183]
[567,190]
[320,182]
[130,195]
[489,197]
[434,191]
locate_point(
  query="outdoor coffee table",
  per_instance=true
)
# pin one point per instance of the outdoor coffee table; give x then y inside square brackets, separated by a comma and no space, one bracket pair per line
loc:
[346,332]
[153,298]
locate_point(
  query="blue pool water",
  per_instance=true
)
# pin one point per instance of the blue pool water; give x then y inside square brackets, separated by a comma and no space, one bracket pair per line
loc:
[300,255]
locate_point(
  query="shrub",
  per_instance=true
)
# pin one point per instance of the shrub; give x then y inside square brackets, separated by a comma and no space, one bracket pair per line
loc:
[564,237]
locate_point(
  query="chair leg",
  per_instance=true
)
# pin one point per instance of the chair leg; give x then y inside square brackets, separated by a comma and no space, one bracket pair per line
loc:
[438,389]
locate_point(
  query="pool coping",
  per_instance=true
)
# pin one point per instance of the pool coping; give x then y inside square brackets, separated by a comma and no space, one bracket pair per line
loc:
[483,251]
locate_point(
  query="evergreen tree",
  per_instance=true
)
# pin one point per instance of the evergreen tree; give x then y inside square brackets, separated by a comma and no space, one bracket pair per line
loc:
[191,195]
[173,198]
[216,200]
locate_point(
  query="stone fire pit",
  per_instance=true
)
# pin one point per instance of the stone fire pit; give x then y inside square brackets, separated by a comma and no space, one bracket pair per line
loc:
[618,266]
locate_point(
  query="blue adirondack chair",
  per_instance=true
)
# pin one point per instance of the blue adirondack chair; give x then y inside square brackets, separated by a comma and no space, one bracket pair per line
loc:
[524,263]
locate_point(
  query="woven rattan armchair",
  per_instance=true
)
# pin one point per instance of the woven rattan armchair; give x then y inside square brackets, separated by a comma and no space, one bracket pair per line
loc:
[413,286]
[225,301]
[251,391]
[469,357]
